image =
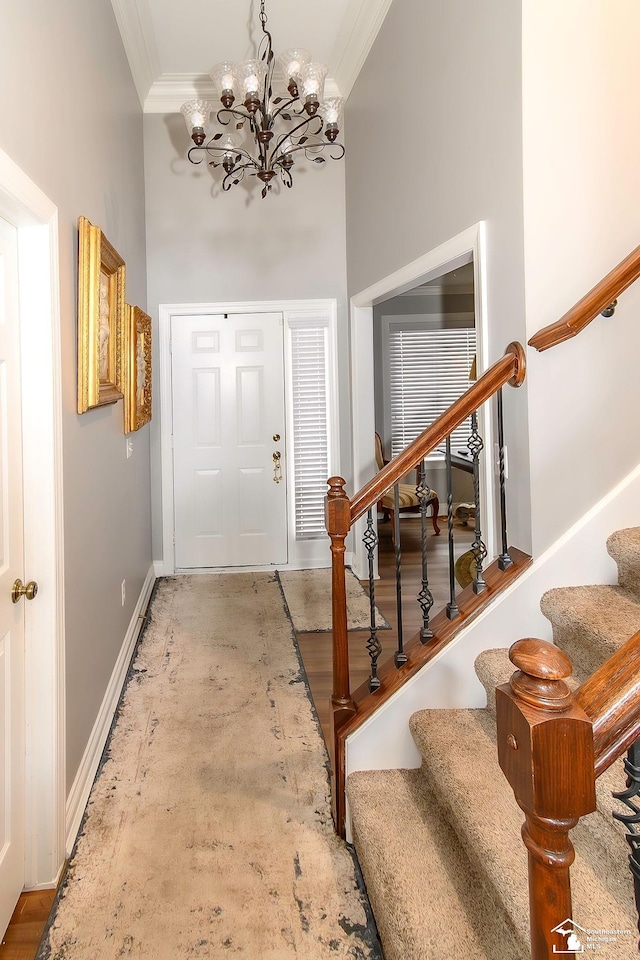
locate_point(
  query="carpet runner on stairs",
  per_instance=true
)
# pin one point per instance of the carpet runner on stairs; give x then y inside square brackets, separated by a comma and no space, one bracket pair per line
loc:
[440,846]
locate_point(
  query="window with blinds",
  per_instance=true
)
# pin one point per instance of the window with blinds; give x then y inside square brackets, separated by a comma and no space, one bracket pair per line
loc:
[310,393]
[429,370]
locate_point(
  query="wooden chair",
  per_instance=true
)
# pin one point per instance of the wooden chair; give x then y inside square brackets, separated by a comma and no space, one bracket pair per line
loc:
[407,495]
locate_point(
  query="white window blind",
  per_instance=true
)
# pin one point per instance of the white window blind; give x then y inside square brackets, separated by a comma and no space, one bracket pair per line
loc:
[310,391]
[429,370]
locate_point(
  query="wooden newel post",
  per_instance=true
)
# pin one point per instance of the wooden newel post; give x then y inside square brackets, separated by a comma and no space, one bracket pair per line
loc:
[338,523]
[545,749]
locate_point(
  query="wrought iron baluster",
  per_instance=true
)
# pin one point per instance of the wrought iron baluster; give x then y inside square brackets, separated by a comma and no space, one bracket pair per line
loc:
[425,597]
[631,820]
[478,548]
[374,647]
[452,609]
[504,560]
[400,656]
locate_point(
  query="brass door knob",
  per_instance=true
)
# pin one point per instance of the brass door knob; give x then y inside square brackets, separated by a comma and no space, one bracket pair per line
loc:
[19,589]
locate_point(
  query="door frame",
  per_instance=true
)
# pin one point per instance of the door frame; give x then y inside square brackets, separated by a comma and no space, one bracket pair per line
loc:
[468,246]
[301,554]
[35,217]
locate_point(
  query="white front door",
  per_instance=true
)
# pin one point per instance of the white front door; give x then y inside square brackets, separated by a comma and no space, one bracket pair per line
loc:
[12,722]
[228,425]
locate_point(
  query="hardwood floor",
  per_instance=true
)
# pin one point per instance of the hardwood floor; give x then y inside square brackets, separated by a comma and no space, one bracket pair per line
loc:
[23,934]
[316,648]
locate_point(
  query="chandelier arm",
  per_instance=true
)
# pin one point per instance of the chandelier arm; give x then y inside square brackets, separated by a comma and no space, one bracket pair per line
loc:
[234,176]
[244,116]
[288,134]
[286,177]
[236,150]
[284,106]
[195,149]
[322,145]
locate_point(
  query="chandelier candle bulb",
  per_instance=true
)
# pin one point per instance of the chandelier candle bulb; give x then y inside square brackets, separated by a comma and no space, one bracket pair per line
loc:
[196,114]
[225,79]
[291,63]
[278,128]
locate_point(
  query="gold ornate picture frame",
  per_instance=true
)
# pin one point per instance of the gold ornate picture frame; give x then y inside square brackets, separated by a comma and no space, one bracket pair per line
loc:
[101,318]
[137,391]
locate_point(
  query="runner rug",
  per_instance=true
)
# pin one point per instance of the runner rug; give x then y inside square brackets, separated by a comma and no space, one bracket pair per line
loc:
[308,596]
[208,830]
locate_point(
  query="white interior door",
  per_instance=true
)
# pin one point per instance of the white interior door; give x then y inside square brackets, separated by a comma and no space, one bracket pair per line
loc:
[12,723]
[230,498]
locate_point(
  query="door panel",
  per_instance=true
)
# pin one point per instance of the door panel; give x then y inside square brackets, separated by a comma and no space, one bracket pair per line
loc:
[228,402]
[12,732]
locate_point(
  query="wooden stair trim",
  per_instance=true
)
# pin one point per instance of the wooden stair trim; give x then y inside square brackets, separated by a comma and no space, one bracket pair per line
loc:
[591,305]
[444,630]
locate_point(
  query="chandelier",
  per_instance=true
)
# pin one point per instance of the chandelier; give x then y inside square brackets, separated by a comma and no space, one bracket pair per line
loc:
[282,129]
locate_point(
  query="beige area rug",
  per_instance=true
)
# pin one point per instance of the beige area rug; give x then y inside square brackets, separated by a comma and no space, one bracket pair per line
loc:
[208,831]
[308,596]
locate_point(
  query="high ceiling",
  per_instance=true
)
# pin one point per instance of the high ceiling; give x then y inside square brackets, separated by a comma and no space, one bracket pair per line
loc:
[172,44]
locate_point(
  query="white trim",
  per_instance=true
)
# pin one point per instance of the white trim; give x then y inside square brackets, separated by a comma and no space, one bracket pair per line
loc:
[171,90]
[454,253]
[440,290]
[356,36]
[79,793]
[302,554]
[138,38]
[24,205]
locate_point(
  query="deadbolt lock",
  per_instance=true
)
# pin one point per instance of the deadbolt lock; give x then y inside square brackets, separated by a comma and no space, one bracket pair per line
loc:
[19,589]
[276,437]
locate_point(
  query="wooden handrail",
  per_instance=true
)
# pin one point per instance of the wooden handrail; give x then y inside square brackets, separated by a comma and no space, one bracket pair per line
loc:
[587,309]
[611,699]
[508,369]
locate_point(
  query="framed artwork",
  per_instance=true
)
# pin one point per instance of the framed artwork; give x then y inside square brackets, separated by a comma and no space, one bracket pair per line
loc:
[137,392]
[101,318]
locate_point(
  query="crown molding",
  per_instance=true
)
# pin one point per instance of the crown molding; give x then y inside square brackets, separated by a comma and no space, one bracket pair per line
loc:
[170,91]
[138,38]
[356,36]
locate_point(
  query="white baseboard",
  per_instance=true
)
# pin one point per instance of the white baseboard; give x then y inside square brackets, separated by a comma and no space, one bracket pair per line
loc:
[79,793]
[159,569]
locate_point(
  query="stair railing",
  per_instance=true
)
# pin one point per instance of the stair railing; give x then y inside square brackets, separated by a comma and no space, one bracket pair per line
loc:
[552,746]
[601,299]
[349,709]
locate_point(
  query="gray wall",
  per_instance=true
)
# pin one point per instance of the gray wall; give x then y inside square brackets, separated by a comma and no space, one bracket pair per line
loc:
[69,117]
[582,217]
[434,144]
[207,246]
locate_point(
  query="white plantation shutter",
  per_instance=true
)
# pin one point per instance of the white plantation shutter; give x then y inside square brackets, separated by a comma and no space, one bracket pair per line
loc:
[429,370]
[310,392]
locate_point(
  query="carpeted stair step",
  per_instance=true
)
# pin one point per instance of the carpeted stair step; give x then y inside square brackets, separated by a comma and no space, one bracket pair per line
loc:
[427,900]
[624,547]
[591,623]
[460,766]
[493,668]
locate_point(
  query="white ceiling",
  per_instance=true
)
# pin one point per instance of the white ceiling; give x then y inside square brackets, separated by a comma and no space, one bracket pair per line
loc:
[172,44]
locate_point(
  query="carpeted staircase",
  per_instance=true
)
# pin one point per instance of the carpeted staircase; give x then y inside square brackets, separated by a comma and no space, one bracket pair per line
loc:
[440,846]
